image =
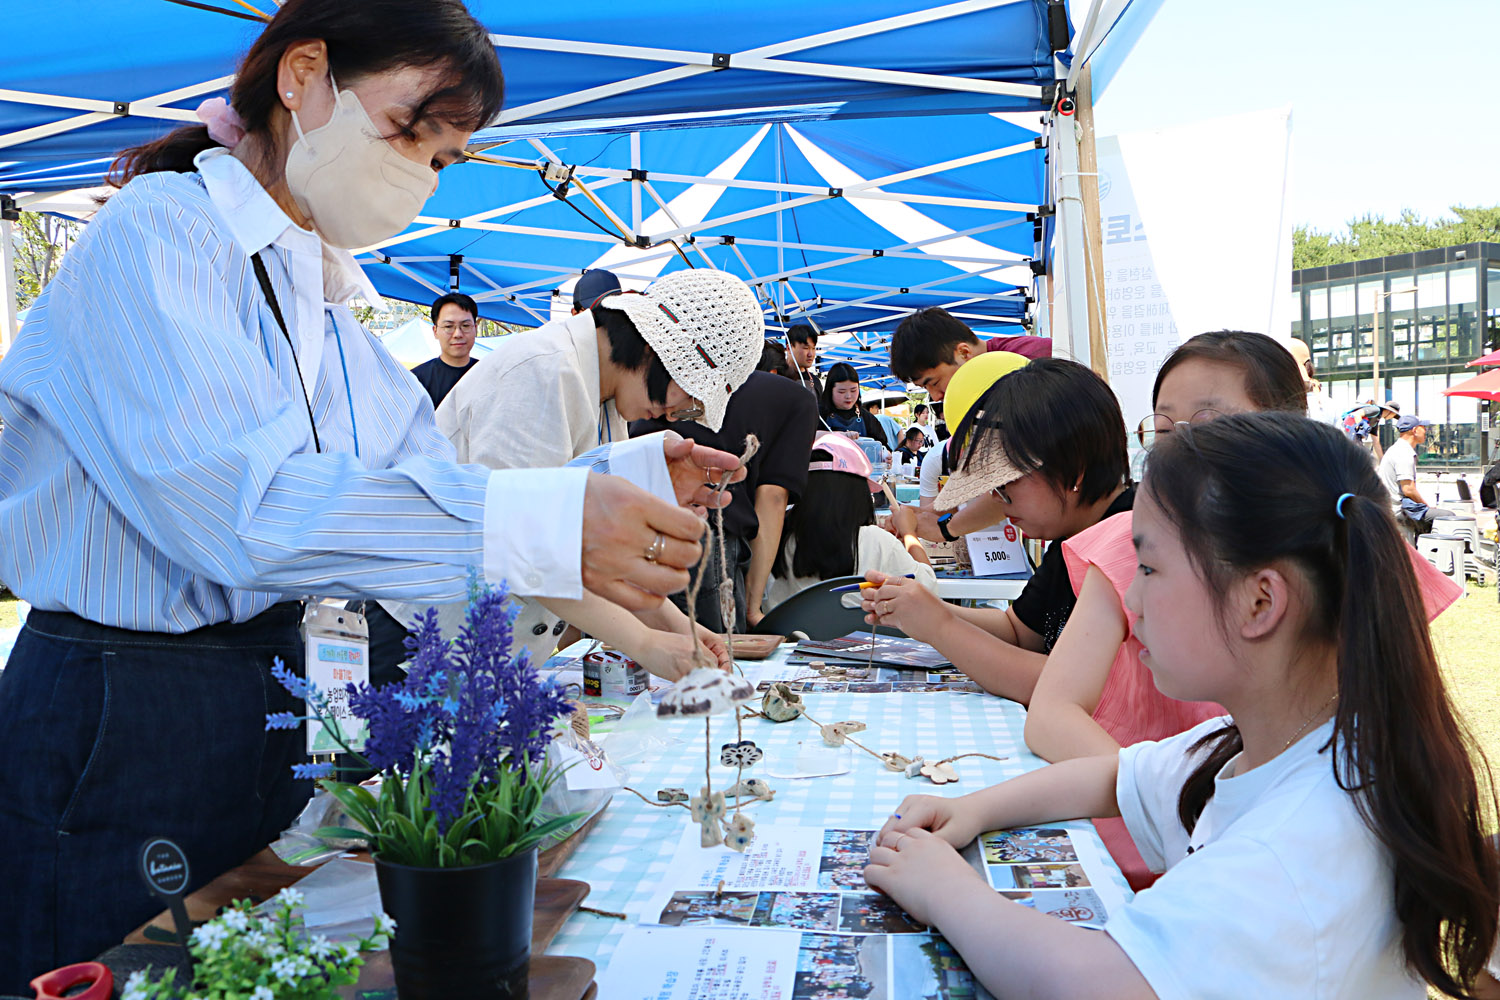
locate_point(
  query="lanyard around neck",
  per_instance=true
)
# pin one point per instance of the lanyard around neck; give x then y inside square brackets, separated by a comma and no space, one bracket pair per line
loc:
[270,293]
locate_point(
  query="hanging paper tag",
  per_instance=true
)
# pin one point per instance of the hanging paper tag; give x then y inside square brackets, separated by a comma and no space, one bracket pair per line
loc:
[586,767]
[337,646]
[997,551]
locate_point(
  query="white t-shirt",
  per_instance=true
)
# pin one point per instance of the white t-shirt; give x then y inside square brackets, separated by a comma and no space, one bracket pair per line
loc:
[1399,462]
[879,550]
[930,480]
[1281,891]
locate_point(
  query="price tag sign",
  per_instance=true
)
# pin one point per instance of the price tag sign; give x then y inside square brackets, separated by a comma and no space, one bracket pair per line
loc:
[337,649]
[997,551]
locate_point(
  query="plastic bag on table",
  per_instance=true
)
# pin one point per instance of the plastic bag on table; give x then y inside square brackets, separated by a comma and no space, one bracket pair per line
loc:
[589,779]
[300,845]
[638,733]
[339,900]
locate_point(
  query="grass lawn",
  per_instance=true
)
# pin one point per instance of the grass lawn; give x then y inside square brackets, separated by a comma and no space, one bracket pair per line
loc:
[1465,636]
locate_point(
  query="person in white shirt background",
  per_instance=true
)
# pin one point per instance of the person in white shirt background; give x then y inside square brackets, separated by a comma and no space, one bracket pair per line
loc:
[574,384]
[1398,470]
[1326,839]
[247,445]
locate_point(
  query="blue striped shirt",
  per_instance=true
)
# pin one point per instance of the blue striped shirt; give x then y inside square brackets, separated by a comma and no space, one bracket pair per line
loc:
[157,469]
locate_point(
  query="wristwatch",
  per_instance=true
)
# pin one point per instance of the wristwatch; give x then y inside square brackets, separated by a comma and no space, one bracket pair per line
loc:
[943,527]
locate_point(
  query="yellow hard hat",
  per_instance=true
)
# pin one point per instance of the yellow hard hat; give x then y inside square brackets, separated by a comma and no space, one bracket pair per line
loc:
[973,379]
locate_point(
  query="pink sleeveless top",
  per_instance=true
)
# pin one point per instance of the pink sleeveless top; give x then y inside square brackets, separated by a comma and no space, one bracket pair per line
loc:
[1130,707]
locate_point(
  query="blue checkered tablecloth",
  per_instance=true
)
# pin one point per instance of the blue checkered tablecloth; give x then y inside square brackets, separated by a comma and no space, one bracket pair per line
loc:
[625,858]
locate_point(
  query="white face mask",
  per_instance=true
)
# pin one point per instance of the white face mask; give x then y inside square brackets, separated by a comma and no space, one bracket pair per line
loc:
[353,185]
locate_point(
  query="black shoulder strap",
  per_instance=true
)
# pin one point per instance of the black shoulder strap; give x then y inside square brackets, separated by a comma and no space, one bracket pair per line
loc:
[270,294]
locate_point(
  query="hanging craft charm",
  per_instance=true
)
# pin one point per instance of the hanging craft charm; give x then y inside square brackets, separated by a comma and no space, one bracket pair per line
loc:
[895,762]
[834,733]
[740,834]
[741,754]
[914,769]
[940,773]
[670,795]
[751,788]
[781,703]
[705,691]
[707,810]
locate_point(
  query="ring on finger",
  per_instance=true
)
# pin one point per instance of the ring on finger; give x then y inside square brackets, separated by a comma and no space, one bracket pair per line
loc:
[654,550]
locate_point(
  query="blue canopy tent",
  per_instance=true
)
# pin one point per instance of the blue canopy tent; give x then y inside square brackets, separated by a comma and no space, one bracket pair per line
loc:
[797,210]
[869,175]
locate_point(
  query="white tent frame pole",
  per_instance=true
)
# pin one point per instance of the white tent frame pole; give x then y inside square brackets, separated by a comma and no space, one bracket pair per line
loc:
[864,251]
[906,309]
[501,294]
[414,276]
[673,217]
[437,225]
[506,227]
[614,219]
[779,166]
[724,220]
[925,286]
[556,273]
[859,189]
[1085,48]
[892,290]
[9,327]
[146,107]
[635,189]
[1070,247]
[695,68]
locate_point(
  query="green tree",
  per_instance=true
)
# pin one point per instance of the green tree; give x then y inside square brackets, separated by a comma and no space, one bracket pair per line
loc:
[40,242]
[1374,236]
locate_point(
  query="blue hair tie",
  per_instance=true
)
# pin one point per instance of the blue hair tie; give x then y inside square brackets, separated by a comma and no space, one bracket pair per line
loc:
[1338,508]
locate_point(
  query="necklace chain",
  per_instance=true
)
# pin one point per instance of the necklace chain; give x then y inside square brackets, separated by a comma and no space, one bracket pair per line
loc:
[1303,728]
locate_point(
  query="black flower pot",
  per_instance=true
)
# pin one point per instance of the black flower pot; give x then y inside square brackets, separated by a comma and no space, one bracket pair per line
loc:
[460,932]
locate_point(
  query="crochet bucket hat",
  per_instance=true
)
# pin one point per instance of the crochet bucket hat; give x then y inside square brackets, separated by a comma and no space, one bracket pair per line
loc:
[706,327]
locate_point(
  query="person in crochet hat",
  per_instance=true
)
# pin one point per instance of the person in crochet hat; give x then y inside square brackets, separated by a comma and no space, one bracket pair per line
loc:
[706,328]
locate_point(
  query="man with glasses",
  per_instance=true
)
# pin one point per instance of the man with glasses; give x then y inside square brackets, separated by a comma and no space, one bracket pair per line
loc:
[455,324]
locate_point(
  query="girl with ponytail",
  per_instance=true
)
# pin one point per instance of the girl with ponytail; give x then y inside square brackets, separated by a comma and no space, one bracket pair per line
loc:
[1325,839]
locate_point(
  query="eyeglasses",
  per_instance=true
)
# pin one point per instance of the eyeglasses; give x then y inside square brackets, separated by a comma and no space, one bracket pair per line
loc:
[691,410]
[999,494]
[467,326]
[1158,424]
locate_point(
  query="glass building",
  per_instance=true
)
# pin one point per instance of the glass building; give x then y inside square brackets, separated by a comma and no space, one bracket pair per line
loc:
[1426,315]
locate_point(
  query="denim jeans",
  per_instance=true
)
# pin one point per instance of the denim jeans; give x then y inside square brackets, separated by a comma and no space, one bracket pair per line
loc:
[112,737]
[737,555]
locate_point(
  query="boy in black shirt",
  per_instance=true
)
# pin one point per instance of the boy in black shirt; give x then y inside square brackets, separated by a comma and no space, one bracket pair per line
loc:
[455,324]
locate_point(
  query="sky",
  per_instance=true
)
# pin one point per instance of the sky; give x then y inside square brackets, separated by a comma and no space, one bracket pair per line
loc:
[1395,103]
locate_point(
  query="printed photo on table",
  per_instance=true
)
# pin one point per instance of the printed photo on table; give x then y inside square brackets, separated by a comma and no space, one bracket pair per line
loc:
[1029,845]
[927,966]
[835,967]
[1037,876]
[845,854]
[874,913]
[688,909]
[804,911]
